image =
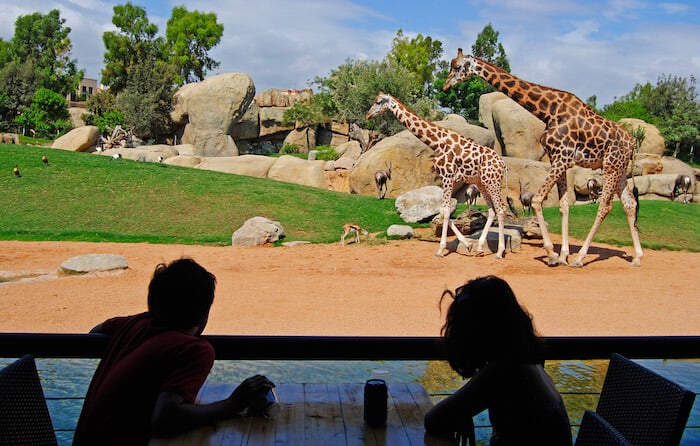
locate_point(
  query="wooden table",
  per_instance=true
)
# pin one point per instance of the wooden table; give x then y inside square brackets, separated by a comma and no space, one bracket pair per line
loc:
[318,414]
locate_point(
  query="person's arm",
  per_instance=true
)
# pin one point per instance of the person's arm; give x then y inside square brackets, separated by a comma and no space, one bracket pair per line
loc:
[172,415]
[454,413]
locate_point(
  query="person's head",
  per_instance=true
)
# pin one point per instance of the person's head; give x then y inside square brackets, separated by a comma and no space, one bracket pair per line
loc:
[180,294]
[485,323]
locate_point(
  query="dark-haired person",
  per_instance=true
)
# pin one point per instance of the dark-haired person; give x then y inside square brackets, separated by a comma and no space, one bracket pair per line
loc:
[490,339]
[155,363]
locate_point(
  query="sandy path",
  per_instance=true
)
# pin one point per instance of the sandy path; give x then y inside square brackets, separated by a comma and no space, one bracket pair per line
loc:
[390,289]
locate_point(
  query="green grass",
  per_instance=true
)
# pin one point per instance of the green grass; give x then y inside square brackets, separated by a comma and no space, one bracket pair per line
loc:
[85,197]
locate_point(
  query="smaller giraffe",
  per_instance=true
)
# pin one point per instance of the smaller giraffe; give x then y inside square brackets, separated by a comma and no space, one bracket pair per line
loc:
[457,159]
[353,229]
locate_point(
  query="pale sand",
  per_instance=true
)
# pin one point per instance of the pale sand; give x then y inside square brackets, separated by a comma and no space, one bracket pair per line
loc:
[388,289]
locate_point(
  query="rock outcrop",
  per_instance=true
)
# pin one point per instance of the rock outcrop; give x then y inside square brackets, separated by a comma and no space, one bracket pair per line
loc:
[81,139]
[209,111]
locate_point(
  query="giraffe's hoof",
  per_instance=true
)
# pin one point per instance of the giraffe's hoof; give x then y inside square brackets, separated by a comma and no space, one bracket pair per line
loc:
[636,262]
[480,253]
[577,264]
[499,257]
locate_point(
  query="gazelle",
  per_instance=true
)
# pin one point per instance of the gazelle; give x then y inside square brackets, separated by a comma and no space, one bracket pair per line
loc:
[593,186]
[526,199]
[380,178]
[355,230]
[472,193]
[682,184]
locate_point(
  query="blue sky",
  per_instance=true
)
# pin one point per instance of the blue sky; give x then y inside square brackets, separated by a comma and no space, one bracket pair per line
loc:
[598,47]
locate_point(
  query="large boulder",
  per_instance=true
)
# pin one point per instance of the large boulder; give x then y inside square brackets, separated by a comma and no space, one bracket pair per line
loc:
[411,164]
[653,142]
[210,110]
[80,139]
[250,165]
[526,175]
[516,131]
[421,204]
[459,124]
[257,231]
[294,170]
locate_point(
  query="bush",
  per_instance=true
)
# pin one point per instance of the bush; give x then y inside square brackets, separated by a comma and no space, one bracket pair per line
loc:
[326,153]
[288,149]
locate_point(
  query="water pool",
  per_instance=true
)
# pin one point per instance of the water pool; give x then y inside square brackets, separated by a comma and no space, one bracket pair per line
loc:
[66,381]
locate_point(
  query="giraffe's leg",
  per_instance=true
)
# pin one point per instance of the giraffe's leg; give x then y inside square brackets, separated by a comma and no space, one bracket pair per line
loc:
[555,172]
[629,202]
[447,183]
[443,237]
[485,231]
[564,211]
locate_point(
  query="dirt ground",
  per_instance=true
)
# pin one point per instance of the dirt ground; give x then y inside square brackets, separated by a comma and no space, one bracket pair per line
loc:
[389,289]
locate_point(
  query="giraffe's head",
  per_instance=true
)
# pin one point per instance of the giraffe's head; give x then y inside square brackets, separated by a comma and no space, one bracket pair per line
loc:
[461,68]
[379,106]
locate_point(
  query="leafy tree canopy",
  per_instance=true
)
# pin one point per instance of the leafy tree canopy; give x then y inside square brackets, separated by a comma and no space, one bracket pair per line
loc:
[464,98]
[190,36]
[43,40]
[134,43]
[419,56]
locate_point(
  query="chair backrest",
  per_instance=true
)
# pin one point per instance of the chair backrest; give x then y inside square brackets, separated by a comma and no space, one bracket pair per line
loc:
[595,431]
[24,416]
[645,407]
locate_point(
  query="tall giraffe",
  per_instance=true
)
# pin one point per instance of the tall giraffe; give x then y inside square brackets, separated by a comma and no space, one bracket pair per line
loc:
[574,136]
[457,158]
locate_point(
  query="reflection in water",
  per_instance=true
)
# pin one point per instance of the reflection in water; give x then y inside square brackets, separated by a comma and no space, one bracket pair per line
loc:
[66,381]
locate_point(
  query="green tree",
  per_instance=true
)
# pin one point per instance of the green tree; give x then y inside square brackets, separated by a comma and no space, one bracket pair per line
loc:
[103,112]
[630,105]
[18,84]
[419,56]
[464,98]
[353,86]
[44,40]
[147,100]
[190,36]
[135,43]
[47,116]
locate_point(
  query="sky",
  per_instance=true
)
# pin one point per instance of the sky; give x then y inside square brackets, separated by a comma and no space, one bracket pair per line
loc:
[587,47]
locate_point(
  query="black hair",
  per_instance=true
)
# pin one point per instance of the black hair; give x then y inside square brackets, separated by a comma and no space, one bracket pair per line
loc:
[180,294]
[485,323]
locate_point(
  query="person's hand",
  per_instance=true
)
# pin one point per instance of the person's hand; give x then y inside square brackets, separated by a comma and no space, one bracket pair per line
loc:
[248,391]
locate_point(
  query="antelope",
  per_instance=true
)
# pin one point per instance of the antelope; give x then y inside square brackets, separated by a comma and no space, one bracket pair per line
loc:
[472,193]
[380,178]
[682,183]
[593,186]
[526,199]
[355,230]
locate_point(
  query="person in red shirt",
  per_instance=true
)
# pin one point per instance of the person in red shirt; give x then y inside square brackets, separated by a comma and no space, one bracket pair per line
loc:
[155,363]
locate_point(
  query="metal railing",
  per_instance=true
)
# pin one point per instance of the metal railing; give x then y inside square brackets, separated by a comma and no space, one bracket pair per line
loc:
[51,345]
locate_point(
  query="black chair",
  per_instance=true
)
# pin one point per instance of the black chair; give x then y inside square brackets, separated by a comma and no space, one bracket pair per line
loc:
[24,416]
[595,431]
[645,407]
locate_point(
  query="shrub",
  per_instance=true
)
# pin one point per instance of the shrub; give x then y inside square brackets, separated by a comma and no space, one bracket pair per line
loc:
[289,148]
[326,153]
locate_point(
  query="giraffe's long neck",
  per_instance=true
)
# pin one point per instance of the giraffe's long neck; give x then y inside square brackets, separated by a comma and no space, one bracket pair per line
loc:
[539,100]
[425,131]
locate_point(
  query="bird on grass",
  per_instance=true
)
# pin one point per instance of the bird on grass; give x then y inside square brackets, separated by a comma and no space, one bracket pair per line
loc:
[117,156]
[44,160]
[15,170]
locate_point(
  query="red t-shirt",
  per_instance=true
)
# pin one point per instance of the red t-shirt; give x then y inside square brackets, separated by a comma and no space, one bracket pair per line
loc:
[141,360]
